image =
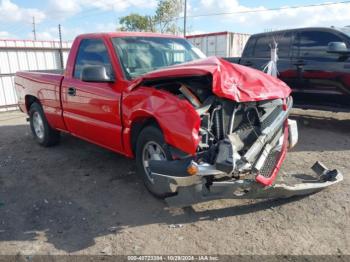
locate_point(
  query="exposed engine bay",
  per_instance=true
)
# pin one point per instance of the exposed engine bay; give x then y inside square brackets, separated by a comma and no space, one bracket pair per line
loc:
[242,148]
[228,129]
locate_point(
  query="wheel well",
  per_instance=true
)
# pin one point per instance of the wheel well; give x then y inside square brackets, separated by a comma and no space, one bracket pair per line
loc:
[30,100]
[138,126]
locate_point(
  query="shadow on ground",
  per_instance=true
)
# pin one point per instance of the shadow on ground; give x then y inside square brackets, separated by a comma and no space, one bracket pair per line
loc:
[76,192]
[323,122]
[318,133]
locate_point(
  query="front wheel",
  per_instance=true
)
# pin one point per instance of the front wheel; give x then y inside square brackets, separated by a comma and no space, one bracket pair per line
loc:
[42,132]
[151,146]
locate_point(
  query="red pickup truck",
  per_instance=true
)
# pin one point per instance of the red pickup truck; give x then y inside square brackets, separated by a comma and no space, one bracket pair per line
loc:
[199,128]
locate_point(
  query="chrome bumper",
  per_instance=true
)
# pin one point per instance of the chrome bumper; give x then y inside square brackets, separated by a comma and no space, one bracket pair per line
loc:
[293,185]
[190,190]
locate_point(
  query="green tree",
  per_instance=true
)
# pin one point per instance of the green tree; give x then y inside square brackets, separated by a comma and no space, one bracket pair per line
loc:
[165,17]
[164,20]
[136,22]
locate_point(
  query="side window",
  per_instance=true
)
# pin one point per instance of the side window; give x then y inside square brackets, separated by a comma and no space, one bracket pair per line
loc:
[314,44]
[264,44]
[262,47]
[284,45]
[249,48]
[92,52]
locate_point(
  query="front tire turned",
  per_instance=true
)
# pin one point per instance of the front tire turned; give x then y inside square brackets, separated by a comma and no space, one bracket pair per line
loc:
[151,146]
[43,134]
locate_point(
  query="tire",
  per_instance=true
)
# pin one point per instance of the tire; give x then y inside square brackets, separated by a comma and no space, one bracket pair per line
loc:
[151,136]
[43,134]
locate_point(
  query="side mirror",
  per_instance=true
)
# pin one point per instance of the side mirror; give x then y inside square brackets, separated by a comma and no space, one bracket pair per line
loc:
[338,48]
[96,73]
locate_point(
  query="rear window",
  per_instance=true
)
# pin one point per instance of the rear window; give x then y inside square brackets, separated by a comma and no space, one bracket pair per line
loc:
[264,44]
[262,47]
[92,52]
[249,48]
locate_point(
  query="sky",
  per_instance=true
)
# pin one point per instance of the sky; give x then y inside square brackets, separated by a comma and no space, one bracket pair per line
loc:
[82,16]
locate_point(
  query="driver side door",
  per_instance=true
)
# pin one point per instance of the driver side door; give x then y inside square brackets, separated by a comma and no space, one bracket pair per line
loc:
[323,74]
[91,110]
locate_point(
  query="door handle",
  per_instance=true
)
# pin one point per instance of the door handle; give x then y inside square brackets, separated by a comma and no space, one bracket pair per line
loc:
[72,91]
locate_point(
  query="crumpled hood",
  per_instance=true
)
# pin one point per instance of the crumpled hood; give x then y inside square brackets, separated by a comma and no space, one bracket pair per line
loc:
[231,81]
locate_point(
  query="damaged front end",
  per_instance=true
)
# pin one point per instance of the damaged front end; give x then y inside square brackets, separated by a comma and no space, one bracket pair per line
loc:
[241,152]
[243,142]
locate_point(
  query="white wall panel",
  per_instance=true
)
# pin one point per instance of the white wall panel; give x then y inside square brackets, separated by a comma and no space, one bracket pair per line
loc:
[224,44]
[4,63]
[32,60]
[65,57]
[41,60]
[7,92]
[23,61]
[2,93]
[13,61]
[18,55]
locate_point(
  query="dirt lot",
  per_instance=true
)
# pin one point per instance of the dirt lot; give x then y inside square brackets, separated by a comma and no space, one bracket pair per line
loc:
[78,198]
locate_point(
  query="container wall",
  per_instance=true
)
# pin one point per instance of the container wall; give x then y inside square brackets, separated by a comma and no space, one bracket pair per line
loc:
[237,43]
[223,44]
[211,44]
[19,55]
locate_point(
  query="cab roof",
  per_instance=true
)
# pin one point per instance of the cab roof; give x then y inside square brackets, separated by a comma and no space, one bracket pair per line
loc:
[127,34]
[296,30]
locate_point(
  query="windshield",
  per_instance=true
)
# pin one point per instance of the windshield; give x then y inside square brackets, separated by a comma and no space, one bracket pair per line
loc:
[345,30]
[140,55]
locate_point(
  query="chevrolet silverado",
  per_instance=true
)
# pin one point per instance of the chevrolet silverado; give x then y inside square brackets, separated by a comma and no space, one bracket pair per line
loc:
[199,128]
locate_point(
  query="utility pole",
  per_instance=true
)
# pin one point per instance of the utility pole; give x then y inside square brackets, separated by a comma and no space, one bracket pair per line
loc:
[60,51]
[34,29]
[185,17]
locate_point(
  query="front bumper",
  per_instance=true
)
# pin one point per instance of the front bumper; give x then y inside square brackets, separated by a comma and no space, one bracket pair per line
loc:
[191,190]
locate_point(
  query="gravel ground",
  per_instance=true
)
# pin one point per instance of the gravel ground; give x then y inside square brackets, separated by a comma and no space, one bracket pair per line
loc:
[78,198]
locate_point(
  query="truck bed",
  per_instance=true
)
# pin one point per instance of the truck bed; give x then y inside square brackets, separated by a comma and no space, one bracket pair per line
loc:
[52,71]
[45,86]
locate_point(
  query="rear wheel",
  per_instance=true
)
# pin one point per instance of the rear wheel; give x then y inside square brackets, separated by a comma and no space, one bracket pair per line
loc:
[151,146]
[42,132]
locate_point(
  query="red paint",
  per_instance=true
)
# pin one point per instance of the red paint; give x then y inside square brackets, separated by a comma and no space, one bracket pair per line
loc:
[231,81]
[177,118]
[104,113]
[268,181]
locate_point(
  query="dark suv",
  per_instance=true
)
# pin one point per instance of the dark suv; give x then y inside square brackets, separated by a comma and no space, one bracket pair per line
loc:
[314,62]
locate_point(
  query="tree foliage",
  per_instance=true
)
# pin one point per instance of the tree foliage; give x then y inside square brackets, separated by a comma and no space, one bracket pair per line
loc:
[166,13]
[135,22]
[164,20]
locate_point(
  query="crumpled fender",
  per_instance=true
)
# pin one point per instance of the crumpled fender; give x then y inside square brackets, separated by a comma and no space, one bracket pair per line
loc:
[232,81]
[177,118]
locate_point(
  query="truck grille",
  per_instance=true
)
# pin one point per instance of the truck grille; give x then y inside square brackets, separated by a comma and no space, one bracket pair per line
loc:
[271,117]
[270,164]
[272,158]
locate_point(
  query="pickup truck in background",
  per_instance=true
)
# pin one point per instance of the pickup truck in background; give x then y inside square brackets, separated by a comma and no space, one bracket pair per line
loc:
[314,62]
[199,128]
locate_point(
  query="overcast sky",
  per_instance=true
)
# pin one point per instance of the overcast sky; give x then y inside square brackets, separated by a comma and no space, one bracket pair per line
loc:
[81,16]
